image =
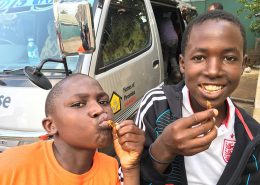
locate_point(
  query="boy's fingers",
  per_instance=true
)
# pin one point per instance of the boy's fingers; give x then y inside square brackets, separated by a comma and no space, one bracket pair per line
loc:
[206,138]
[127,131]
[195,150]
[117,147]
[132,146]
[203,143]
[201,130]
[129,137]
[126,122]
[201,117]
[129,128]
[215,112]
[115,133]
[199,144]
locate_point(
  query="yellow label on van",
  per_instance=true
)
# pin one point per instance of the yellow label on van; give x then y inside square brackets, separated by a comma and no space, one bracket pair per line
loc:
[115,102]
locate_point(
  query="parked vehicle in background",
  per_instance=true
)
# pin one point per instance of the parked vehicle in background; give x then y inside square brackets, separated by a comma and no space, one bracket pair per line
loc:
[124,55]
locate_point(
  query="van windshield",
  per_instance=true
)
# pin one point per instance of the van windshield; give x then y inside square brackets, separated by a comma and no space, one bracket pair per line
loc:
[27,34]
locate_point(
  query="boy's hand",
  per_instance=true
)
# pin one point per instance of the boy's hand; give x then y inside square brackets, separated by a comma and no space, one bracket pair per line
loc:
[186,136]
[129,144]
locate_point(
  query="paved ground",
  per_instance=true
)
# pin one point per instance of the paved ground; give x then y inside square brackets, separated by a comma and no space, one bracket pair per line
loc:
[244,95]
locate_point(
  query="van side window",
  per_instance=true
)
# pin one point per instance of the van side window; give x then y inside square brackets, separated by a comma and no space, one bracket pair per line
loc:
[126,33]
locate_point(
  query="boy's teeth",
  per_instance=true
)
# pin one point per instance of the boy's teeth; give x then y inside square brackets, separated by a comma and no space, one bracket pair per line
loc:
[212,87]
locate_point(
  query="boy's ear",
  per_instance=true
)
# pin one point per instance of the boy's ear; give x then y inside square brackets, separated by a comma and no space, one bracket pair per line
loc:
[49,126]
[181,63]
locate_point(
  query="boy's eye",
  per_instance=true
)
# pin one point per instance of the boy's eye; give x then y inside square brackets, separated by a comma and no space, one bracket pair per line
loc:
[78,104]
[198,58]
[230,58]
[104,102]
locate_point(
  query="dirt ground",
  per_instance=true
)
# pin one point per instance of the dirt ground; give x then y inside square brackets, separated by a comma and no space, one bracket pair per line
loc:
[244,95]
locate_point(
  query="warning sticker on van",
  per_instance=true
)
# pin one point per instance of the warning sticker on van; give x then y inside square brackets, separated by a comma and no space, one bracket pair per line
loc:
[115,102]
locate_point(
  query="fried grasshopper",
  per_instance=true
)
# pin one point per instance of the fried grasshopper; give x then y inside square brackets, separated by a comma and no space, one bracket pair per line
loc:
[113,124]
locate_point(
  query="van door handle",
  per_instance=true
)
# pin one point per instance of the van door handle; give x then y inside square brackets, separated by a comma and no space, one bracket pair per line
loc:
[155,63]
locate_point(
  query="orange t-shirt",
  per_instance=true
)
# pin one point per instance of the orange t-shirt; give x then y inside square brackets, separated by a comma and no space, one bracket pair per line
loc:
[36,164]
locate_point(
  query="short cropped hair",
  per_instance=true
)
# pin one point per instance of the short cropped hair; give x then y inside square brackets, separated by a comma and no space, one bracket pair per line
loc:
[57,91]
[212,15]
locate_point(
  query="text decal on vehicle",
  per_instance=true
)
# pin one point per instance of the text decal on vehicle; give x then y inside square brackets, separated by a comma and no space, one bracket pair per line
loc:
[5,101]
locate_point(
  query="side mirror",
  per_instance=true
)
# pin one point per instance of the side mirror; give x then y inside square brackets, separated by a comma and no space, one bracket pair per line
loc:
[74,25]
[38,78]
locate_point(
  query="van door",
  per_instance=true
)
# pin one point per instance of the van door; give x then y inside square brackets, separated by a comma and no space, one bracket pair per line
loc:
[168,8]
[127,62]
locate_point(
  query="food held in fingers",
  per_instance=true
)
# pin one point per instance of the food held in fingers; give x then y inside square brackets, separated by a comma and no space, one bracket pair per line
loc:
[209,106]
[113,124]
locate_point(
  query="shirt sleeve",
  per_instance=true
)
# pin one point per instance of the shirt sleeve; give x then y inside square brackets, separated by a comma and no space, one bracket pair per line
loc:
[146,120]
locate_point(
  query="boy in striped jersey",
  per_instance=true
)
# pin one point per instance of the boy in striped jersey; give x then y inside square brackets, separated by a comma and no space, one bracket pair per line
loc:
[187,141]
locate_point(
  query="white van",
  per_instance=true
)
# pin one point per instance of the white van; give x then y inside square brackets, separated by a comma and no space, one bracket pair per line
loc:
[126,57]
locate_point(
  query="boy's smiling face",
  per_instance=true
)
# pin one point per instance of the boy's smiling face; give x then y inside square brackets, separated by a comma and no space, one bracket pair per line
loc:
[213,62]
[81,115]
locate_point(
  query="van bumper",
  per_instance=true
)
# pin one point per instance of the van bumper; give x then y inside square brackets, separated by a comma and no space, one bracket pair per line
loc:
[10,138]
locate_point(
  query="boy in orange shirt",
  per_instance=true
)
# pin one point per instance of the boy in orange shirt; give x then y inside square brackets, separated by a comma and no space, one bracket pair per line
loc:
[77,114]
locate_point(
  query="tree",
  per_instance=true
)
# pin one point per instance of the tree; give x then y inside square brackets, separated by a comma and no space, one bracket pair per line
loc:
[252,8]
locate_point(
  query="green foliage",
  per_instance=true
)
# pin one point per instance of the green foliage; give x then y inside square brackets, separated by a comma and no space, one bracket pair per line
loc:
[252,8]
